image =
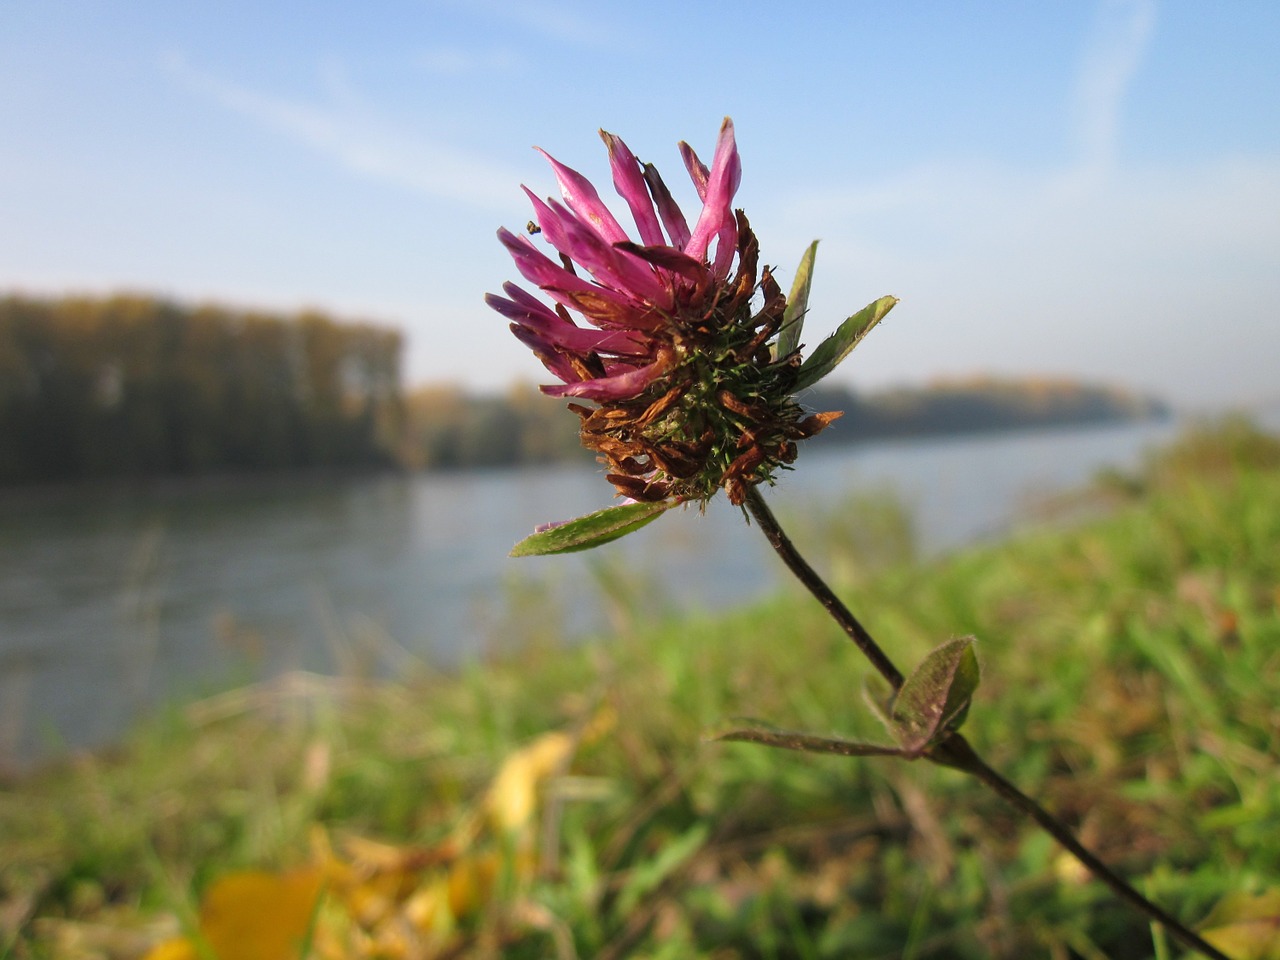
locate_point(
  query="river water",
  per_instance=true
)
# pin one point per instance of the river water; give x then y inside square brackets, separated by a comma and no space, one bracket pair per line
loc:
[113,602]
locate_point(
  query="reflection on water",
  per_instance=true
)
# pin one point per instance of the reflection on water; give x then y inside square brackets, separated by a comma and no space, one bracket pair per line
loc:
[109,603]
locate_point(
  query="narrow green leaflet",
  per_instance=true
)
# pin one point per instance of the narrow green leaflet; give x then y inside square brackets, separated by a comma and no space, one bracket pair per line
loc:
[828,354]
[808,743]
[797,305]
[935,698]
[592,530]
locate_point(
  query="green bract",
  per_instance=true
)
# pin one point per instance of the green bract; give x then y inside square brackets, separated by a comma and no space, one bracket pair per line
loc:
[592,530]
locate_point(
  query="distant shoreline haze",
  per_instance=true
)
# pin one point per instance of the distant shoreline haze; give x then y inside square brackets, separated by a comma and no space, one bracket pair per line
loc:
[979,405]
[139,387]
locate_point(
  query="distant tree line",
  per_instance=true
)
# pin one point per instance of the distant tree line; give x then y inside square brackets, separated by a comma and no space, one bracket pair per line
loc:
[135,386]
[447,427]
[976,405]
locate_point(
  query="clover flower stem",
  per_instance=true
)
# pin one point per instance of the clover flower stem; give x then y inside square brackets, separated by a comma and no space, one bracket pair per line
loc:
[797,564]
[955,751]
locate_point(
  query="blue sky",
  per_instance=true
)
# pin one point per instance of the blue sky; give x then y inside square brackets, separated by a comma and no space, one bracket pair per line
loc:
[1053,188]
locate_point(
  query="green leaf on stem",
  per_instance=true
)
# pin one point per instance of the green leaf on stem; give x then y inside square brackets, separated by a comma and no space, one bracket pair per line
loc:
[878,696]
[797,305]
[828,354]
[808,743]
[593,530]
[933,701]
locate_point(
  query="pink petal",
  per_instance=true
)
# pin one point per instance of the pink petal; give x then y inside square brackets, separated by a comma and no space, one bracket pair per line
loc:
[523,312]
[698,172]
[536,267]
[629,182]
[620,386]
[555,330]
[602,312]
[521,296]
[672,218]
[582,199]
[726,246]
[551,358]
[717,211]
[630,318]
[668,258]
[612,266]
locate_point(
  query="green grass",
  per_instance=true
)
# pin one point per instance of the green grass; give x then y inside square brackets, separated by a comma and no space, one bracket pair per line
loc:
[1131,682]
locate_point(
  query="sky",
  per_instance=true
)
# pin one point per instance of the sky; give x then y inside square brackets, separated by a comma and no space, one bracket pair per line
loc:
[1059,188]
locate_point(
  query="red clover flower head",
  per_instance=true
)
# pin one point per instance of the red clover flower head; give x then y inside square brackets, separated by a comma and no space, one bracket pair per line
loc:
[679,353]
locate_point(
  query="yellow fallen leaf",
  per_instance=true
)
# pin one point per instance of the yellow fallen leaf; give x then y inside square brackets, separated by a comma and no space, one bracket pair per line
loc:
[429,910]
[260,916]
[252,916]
[513,795]
[179,948]
[471,882]
[386,900]
[1246,926]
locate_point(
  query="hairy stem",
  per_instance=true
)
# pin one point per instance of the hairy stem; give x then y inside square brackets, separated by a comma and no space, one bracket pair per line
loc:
[955,751]
[797,564]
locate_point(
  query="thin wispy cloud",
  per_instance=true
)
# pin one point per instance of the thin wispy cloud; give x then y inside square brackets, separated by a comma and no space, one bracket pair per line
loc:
[355,137]
[1150,274]
[975,209]
[1101,257]
[1113,57]
[552,21]
[458,61]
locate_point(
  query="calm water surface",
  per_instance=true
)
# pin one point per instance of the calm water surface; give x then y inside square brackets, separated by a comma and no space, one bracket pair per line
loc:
[112,603]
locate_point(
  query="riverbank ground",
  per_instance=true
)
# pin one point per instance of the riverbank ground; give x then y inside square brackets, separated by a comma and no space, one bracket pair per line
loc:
[568,802]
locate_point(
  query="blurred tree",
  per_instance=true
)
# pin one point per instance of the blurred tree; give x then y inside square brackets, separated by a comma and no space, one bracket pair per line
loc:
[134,386]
